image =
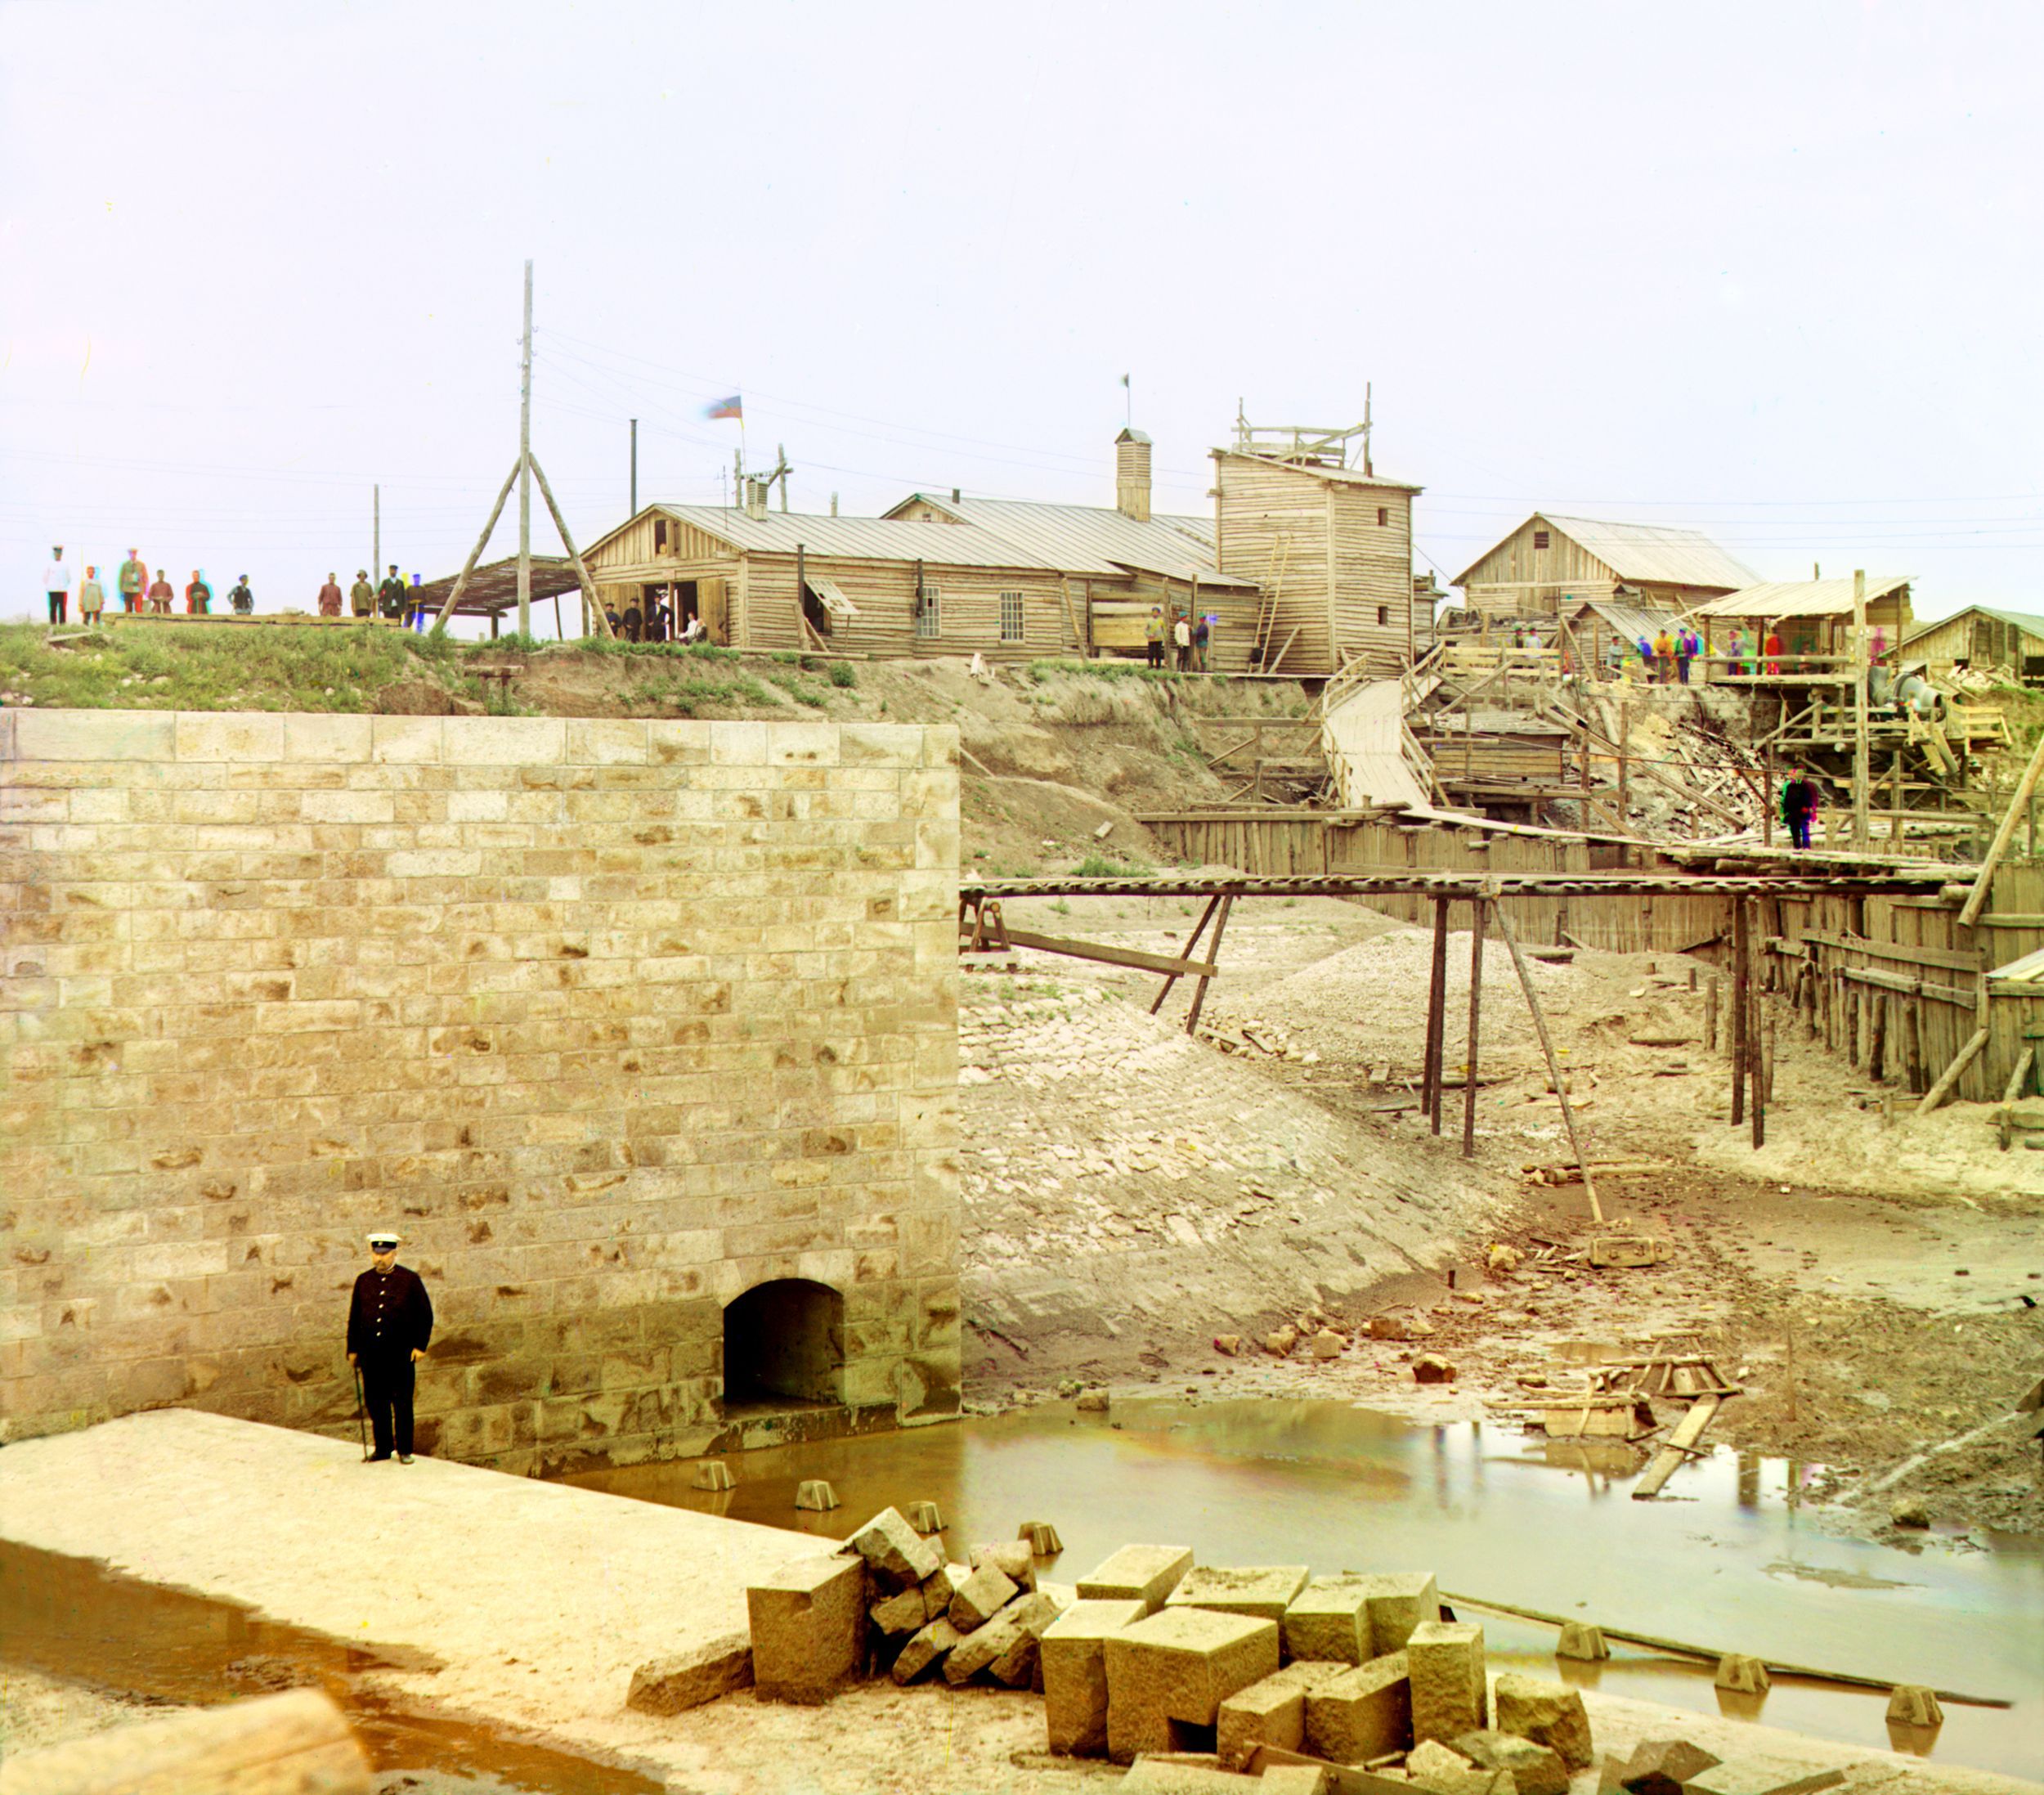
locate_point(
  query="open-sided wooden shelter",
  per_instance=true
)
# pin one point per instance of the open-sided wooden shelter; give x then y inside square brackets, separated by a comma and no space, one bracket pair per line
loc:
[1813,619]
[1984,638]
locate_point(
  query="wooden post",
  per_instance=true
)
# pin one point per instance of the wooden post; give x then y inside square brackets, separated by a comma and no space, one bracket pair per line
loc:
[1437,1017]
[1213,957]
[1547,1048]
[475,555]
[1767,795]
[1757,1100]
[525,466]
[1191,942]
[1710,1015]
[376,533]
[1624,769]
[1862,836]
[1740,956]
[634,512]
[1877,1039]
[1476,1004]
[1913,1044]
[574,554]
[1949,1076]
[1976,899]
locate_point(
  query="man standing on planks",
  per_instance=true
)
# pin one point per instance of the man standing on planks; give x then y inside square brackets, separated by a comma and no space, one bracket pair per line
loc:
[390,1321]
[56,585]
[1799,804]
[390,596]
[362,596]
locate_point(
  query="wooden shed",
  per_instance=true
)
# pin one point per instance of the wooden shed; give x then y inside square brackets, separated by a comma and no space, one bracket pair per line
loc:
[1551,564]
[1330,547]
[1595,623]
[2007,642]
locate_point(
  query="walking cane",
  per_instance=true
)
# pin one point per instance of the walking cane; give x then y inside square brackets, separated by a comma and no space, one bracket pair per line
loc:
[361,1426]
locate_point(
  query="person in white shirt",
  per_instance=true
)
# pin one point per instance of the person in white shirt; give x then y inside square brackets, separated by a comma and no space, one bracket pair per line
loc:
[1181,640]
[56,582]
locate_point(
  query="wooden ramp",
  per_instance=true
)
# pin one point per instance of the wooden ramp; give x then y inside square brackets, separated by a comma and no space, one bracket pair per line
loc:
[1363,740]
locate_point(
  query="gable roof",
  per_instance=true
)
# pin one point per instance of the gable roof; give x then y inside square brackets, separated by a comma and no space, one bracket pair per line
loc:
[1087,539]
[2024,621]
[1650,552]
[1630,621]
[853,539]
[1798,597]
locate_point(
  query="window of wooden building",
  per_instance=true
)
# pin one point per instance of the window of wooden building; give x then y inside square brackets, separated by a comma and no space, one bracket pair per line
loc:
[1539,539]
[1383,514]
[1011,617]
[1383,616]
[660,536]
[927,610]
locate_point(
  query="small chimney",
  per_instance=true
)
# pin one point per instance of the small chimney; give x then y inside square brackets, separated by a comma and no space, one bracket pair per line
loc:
[756,497]
[954,495]
[1131,475]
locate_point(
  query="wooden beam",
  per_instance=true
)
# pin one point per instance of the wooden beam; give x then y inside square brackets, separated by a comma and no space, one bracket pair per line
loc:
[1976,899]
[1971,960]
[1113,956]
[1681,1445]
[1199,990]
[1192,941]
[567,542]
[1546,1047]
[1476,1004]
[1436,1017]
[475,555]
[1949,1076]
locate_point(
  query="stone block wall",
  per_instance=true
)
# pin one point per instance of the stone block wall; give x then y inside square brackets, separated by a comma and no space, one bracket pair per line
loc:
[614,1020]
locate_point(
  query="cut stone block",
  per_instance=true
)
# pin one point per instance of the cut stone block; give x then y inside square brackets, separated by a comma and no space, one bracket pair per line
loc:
[1399,1601]
[808,1625]
[1073,1652]
[1042,1538]
[1330,1618]
[1294,1779]
[1549,1714]
[898,1557]
[1012,1558]
[713,1474]
[938,1591]
[1429,1757]
[667,1685]
[1442,1770]
[1008,1642]
[1581,1639]
[1364,1712]
[1269,1712]
[1662,1766]
[1910,1704]
[1449,1694]
[1171,1671]
[1148,1573]
[925,1518]
[814,1493]
[900,1614]
[928,1647]
[1761,1776]
[1265,1591]
[1535,1769]
[983,1594]
[1167,1776]
[1742,1674]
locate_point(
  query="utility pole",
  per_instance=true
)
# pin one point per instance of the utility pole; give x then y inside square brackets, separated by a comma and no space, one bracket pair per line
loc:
[1862,828]
[376,532]
[634,510]
[525,467]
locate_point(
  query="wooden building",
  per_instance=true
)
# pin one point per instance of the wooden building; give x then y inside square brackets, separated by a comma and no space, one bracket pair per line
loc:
[2008,644]
[1329,545]
[1814,621]
[1551,564]
[1593,624]
[937,575]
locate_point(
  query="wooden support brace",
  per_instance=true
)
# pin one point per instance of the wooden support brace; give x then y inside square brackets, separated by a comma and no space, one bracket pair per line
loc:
[1546,1047]
[1192,941]
[1202,970]
[475,555]
[1200,991]
[1950,1075]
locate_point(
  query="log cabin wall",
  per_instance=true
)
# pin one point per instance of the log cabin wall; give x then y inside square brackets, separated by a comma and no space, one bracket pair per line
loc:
[1272,526]
[1369,544]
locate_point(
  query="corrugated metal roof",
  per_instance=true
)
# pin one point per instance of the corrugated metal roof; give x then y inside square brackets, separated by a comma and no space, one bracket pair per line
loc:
[1652,551]
[1798,598]
[1630,621]
[859,539]
[1091,539]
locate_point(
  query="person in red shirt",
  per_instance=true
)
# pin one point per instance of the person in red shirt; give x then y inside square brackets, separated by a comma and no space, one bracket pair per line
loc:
[160,594]
[198,596]
[330,599]
[1772,648]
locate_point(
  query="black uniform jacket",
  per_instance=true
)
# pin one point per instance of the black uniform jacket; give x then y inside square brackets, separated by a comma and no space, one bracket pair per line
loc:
[391,1316]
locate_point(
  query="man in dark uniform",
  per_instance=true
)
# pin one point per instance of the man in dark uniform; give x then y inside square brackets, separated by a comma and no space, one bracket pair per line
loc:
[390,596]
[390,1321]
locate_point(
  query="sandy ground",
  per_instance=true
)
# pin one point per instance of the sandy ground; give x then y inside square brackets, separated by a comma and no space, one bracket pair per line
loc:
[533,1600]
[1872,1283]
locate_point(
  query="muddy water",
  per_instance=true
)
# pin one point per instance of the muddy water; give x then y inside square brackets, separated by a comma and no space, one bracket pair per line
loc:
[1728,1557]
[71,1618]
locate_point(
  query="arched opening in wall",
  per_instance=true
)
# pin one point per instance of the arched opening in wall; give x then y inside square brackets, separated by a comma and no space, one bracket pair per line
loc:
[784,1346]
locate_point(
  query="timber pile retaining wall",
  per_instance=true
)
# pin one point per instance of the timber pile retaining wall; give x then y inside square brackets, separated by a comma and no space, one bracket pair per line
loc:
[1907,954]
[616,1020]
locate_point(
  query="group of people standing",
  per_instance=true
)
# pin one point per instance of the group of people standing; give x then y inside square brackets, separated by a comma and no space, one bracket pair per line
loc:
[653,623]
[138,593]
[141,595]
[1189,637]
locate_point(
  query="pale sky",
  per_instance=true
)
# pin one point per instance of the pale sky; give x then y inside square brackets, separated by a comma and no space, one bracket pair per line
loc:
[1771,272]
